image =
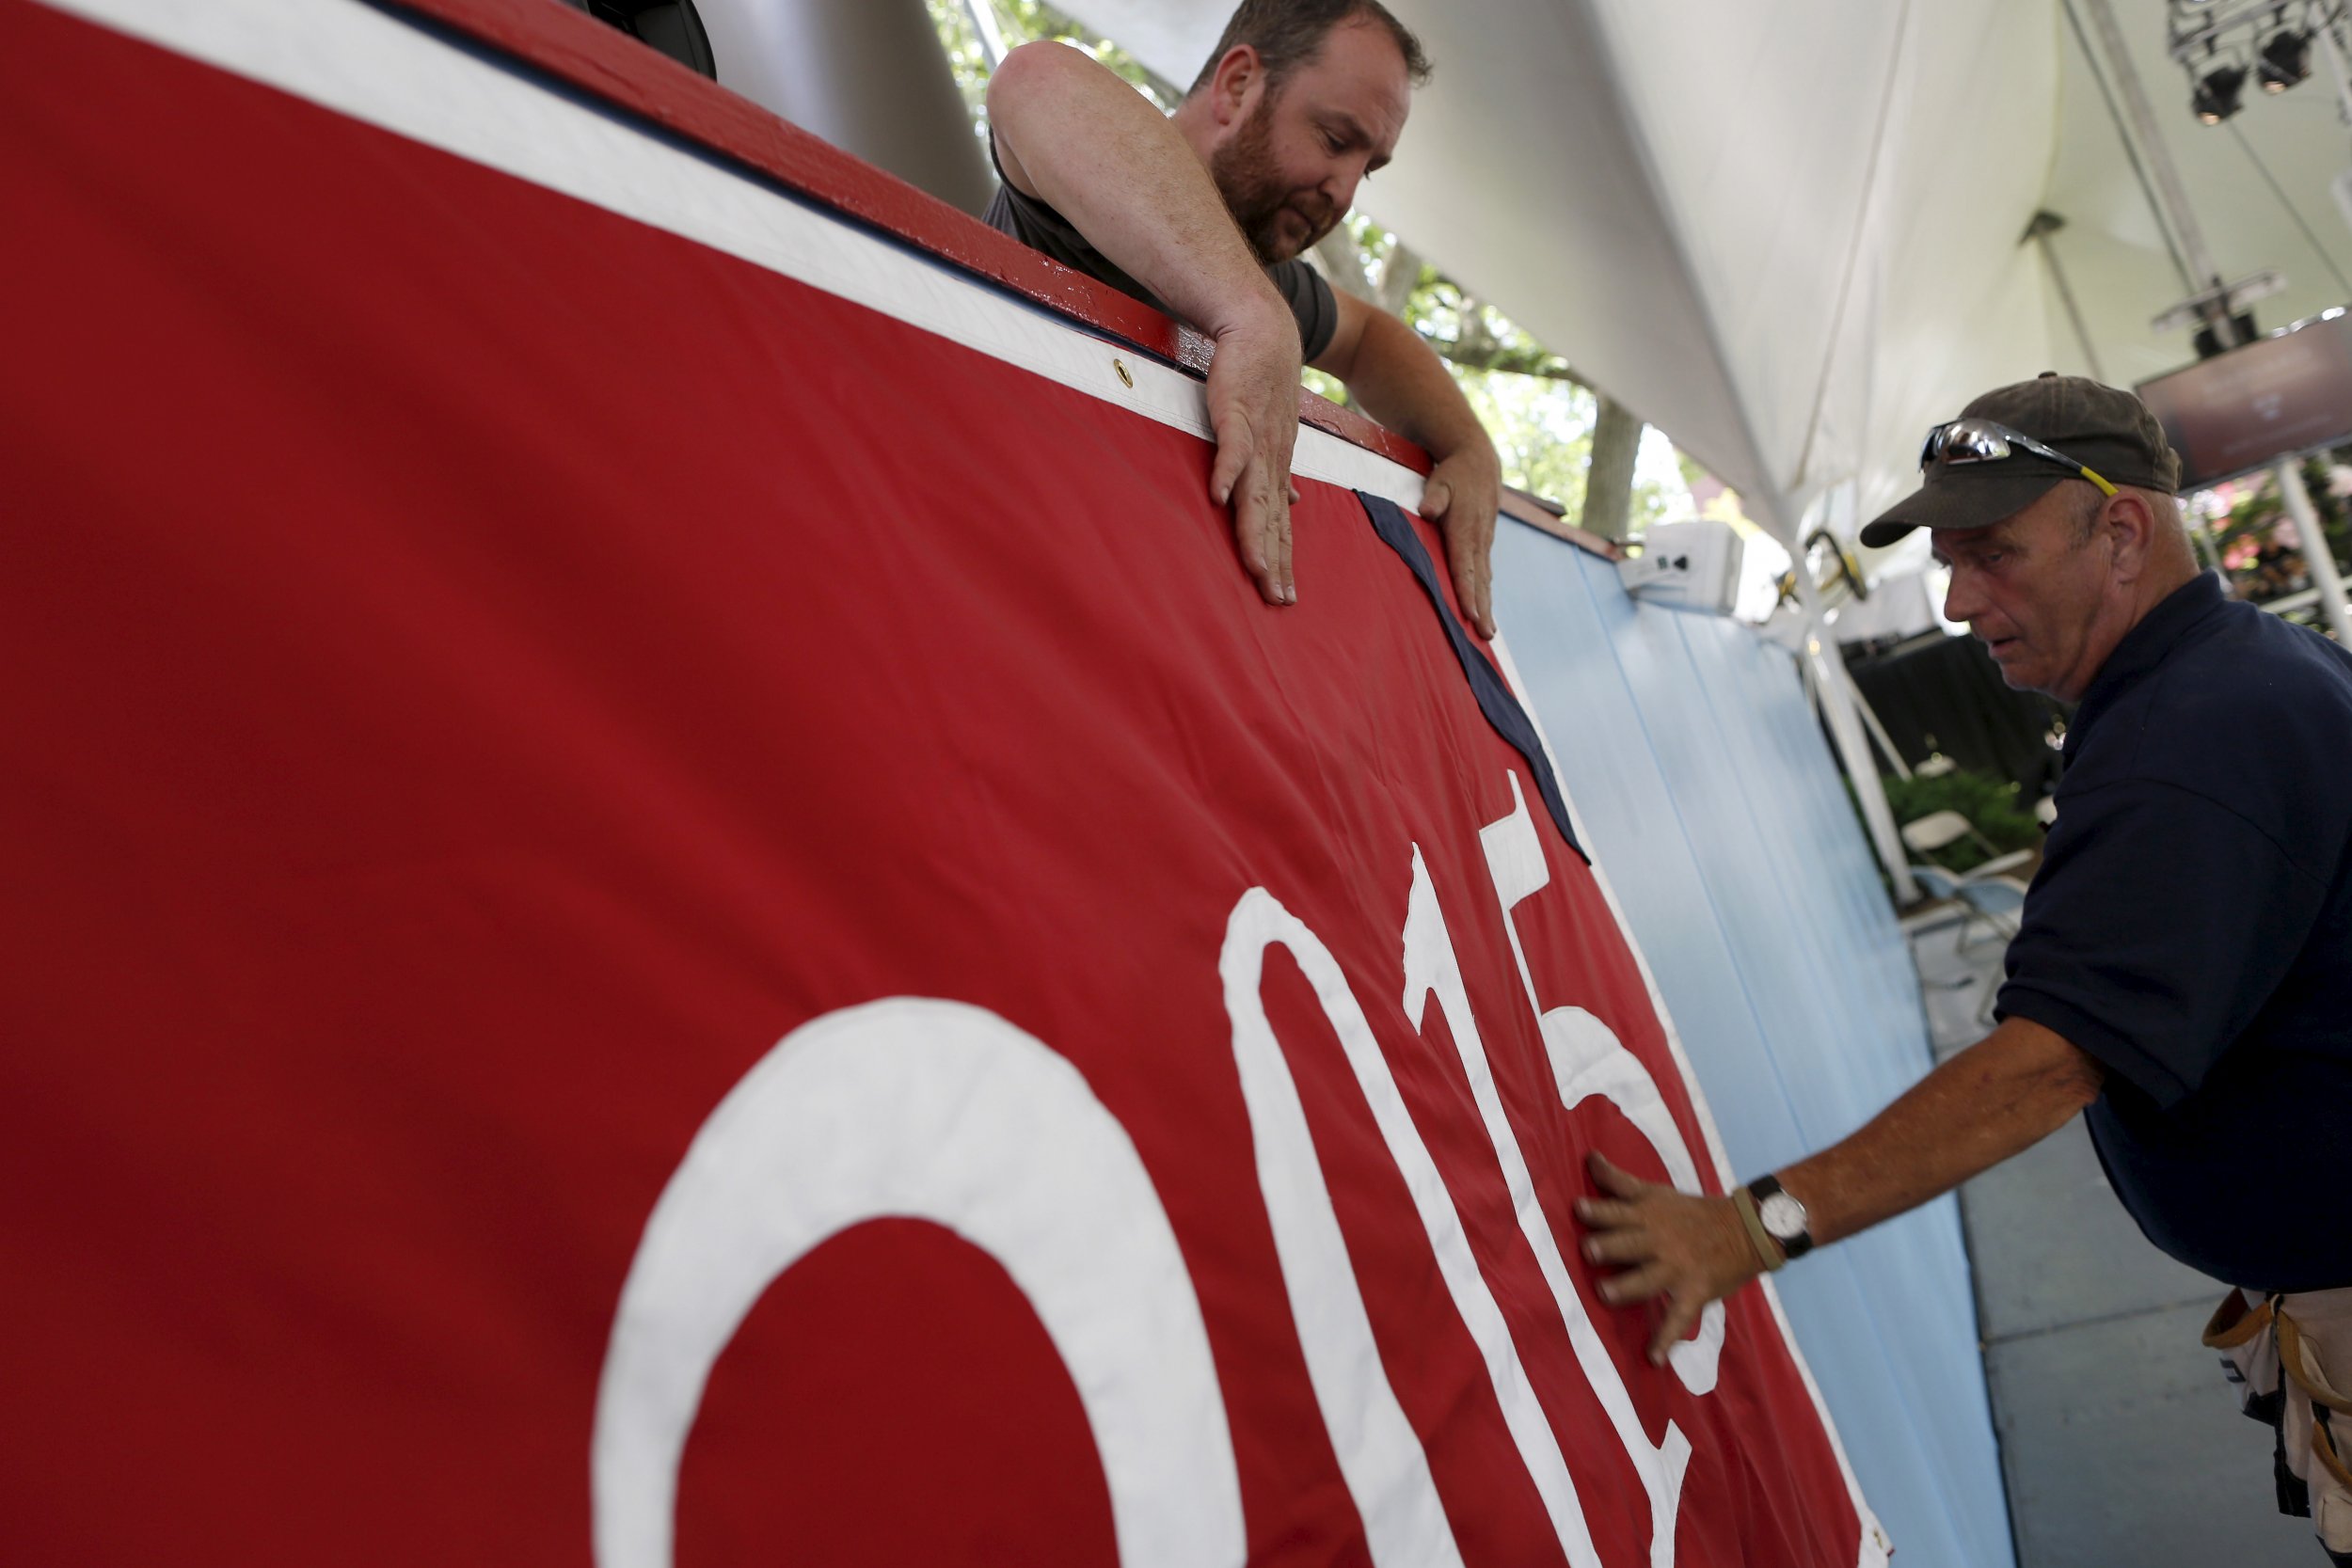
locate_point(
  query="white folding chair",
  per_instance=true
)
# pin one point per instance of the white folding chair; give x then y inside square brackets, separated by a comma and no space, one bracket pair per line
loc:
[1940,830]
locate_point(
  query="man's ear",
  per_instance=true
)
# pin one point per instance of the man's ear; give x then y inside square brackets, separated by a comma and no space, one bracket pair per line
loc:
[1229,85]
[2130,522]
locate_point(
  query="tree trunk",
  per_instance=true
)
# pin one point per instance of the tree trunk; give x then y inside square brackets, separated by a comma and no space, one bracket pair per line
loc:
[1399,279]
[1474,344]
[1609,481]
[1344,266]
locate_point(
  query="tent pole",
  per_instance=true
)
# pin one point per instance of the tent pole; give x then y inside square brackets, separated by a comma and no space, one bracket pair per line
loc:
[2202,533]
[983,15]
[1853,748]
[2043,226]
[2325,35]
[2318,559]
[870,78]
[1877,732]
[2162,174]
[2320,562]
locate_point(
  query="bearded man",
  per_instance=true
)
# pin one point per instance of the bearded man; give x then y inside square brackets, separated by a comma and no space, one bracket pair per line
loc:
[1204,214]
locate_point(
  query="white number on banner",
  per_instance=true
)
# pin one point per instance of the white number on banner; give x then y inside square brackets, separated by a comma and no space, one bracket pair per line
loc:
[1588,1059]
[918,1108]
[1381,1456]
[924,1109]
[1432,969]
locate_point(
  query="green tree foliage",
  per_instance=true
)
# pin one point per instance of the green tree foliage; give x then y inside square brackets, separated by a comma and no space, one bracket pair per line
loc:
[966,59]
[1019,21]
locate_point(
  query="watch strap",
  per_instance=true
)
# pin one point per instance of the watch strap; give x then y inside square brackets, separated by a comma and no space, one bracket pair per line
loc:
[1767,1251]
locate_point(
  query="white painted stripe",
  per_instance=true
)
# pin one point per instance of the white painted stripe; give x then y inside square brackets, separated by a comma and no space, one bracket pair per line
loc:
[375,67]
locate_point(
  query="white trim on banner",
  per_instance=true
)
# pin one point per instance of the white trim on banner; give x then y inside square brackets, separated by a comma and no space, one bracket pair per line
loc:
[370,66]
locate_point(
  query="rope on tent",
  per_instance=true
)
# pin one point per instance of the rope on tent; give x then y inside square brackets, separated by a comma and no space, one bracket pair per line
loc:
[2264,169]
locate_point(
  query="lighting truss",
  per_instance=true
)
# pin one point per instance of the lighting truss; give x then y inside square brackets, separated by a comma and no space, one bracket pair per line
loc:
[2225,44]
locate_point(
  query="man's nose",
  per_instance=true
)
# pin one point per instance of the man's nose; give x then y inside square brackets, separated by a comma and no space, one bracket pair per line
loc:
[1961,600]
[1339,185]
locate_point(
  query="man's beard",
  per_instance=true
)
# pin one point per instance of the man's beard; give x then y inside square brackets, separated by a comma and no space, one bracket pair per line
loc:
[1252,184]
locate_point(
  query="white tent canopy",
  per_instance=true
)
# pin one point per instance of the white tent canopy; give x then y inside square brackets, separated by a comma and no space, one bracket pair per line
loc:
[1790,236]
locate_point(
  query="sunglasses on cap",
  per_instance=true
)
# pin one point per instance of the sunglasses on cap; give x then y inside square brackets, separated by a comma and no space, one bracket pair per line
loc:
[1982,441]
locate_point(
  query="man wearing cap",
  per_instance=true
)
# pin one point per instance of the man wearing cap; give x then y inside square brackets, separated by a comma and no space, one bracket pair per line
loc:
[2183,970]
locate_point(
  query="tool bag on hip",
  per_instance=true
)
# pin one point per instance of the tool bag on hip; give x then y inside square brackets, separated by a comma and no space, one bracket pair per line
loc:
[2291,1357]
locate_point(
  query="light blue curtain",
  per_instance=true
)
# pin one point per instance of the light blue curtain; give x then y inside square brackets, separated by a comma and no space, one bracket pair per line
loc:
[1708,795]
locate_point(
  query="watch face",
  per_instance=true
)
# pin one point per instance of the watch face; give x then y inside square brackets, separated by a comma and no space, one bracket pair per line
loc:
[1783,1216]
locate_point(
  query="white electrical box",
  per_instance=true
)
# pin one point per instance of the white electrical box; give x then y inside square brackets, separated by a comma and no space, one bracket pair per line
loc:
[1693,565]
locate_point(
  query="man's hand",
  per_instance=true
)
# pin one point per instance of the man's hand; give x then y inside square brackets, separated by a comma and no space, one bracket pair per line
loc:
[1462,496]
[1081,141]
[1691,1250]
[1999,1097]
[1253,410]
[1400,380]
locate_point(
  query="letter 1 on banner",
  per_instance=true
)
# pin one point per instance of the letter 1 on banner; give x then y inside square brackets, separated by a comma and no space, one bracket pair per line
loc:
[918,1108]
[1433,969]
[1381,1457]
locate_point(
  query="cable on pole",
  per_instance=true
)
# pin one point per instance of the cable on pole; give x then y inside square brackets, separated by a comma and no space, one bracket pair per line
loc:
[2270,180]
[2147,189]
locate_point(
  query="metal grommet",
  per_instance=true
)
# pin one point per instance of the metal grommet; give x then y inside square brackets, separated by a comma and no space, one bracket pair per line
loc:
[1124,379]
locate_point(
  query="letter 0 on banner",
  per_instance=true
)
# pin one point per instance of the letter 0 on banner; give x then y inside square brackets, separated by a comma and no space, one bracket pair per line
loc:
[917,1108]
[1382,1460]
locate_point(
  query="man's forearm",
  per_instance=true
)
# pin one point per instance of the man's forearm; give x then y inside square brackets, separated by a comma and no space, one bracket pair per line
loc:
[1081,141]
[1400,380]
[1077,137]
[1999,1097]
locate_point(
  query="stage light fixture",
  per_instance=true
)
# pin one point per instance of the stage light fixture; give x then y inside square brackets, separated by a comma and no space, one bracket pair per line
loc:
[2218,93]
[2286,59]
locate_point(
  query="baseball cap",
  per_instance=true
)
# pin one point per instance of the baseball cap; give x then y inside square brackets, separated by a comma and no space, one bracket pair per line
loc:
[2100,427]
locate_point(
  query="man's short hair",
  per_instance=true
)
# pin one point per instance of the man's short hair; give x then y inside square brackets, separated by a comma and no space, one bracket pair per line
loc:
[1289,33]
[2090,502]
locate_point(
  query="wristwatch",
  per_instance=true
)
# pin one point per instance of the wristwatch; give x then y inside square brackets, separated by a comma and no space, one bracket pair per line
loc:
[1783,1217]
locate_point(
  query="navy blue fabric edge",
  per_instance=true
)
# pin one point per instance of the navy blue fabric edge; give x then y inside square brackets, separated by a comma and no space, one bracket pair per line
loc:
[1495,699]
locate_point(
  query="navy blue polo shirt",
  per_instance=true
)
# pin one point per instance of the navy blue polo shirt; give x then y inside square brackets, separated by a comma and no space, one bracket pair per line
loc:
[2191,927]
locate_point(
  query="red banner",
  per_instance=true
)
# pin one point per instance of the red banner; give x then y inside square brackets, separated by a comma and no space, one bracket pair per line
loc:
[653,916]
